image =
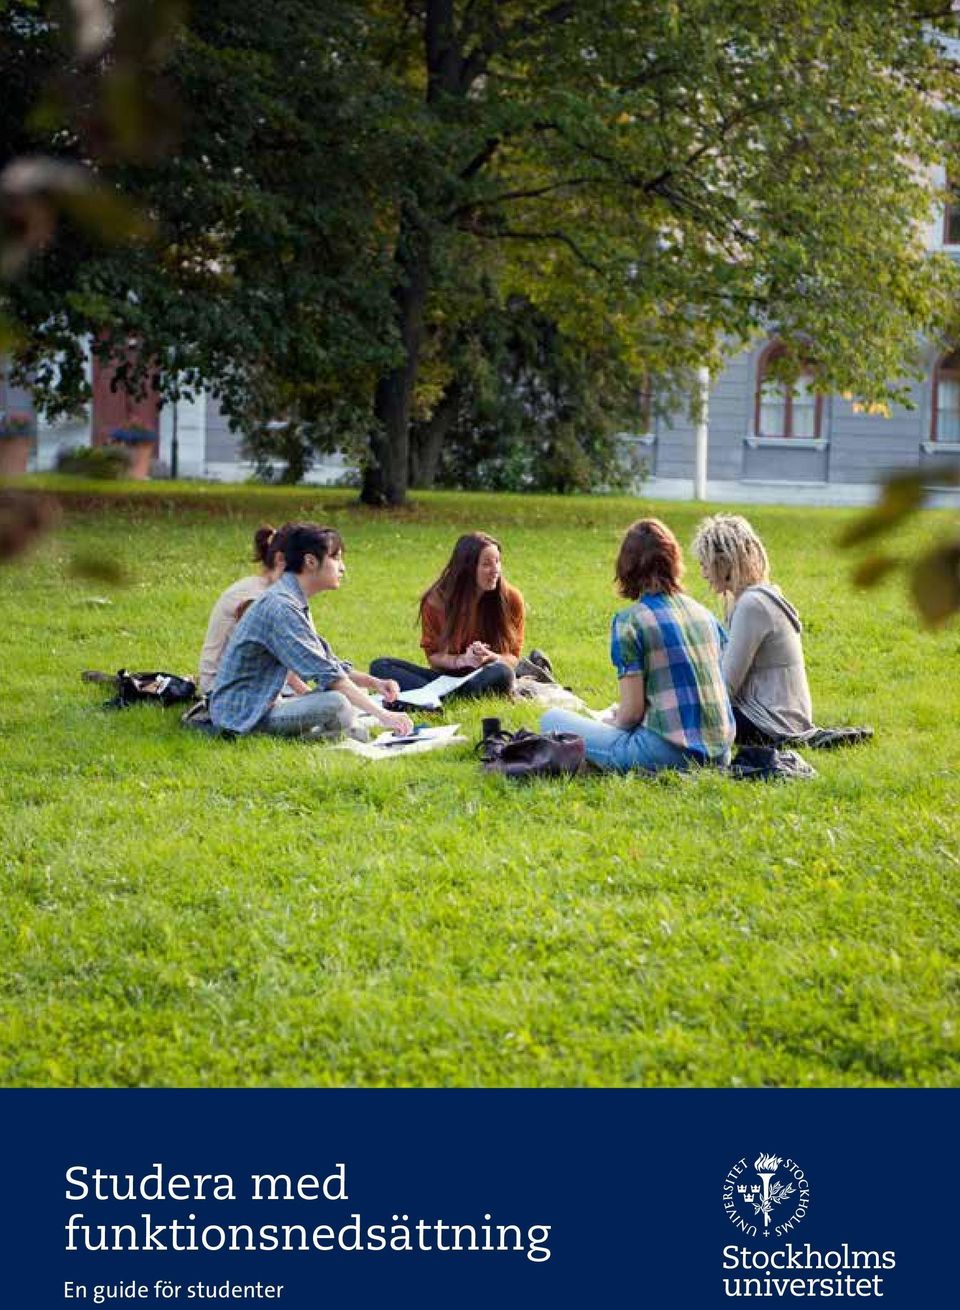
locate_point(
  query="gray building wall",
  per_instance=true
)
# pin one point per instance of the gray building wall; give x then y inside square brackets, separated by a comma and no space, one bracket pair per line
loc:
[222,446]
[853,452]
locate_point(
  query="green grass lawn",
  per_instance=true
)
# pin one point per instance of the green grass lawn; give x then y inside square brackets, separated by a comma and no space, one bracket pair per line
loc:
[180,911]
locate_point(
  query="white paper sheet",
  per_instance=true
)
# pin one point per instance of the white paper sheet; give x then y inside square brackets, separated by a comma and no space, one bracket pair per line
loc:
[430,696]
[389,744]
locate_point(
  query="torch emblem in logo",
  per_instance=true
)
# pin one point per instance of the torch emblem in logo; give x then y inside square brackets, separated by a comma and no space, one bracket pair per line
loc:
[773,1193]
[775,1189]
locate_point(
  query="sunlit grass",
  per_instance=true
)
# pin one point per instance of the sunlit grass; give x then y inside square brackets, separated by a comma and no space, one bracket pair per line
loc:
[184,911]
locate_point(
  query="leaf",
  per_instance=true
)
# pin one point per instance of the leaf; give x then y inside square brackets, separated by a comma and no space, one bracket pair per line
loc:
[935,583]
[10,336]
[875,567]
[106,215]
[24,518]
[97,568]
[901,495]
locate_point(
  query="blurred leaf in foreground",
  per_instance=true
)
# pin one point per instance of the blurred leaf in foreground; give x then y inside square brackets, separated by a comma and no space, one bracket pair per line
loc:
[874,568]
[902,495]
[935,583]
[96,568]
[24,519]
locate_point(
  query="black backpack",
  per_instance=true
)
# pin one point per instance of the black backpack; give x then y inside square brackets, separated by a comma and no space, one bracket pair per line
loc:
[162,689]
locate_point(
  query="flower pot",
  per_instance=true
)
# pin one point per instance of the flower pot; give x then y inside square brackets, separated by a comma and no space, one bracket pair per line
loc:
[141,453]
[14,453]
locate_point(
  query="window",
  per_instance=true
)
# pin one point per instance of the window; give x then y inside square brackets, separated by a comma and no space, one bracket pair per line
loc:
[783,410]
[951,214]
[946,399]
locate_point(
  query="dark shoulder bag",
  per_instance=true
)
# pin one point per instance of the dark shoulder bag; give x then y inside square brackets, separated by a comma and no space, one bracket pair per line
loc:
[526,754]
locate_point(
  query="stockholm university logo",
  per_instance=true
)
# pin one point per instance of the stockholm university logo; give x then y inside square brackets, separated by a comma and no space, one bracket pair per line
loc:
[770,1198]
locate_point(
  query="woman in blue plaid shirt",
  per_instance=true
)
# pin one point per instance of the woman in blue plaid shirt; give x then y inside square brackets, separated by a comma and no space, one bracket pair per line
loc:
[673,710]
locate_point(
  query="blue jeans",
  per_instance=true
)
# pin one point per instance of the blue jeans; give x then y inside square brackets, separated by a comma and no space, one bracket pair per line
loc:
[297,716]
[618,749]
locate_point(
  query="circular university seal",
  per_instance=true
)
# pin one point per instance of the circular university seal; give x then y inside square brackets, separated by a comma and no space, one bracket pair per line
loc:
[768,1197]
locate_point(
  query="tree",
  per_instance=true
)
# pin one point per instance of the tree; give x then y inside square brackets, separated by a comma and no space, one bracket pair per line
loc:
[265,274]
[658,179]
[524,407]
[677,176]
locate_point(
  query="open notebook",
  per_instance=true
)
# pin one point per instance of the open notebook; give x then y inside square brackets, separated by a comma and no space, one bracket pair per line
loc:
[388,745]
[430,696]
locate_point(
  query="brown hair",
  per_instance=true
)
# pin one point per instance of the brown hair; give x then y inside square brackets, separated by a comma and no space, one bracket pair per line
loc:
[268,543]
[469,613]
[261,542]
[650,560]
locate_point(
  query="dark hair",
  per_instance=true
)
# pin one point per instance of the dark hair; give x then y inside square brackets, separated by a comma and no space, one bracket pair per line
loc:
[261,542]
[650,560]
[268,543]
[302,539]
[465,608]
[278,545]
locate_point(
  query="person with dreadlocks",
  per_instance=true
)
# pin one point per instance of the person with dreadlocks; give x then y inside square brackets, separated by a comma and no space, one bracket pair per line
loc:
[763,664]
[470,619]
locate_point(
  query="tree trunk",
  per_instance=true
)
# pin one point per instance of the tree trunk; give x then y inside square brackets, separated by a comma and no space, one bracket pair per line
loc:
[427,440]
[385,479]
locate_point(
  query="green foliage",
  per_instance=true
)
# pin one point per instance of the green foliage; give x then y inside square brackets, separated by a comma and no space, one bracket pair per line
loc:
[180,912]
[679,178]
[102,463]
[526,409]
[660,183]
[262,279]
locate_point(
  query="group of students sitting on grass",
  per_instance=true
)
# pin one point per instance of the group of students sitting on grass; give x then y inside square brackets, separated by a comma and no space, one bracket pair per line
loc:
[689,689]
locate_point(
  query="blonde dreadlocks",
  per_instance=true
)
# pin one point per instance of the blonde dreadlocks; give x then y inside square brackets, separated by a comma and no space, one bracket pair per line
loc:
[730,553]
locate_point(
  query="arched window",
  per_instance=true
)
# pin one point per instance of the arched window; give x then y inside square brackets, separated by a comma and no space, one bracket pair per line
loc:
[945,421]
[783,410]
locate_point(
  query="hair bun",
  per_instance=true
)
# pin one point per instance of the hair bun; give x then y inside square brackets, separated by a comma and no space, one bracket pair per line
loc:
[261,542]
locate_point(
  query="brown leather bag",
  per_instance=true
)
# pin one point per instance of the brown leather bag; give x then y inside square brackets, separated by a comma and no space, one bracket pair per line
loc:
[526,754]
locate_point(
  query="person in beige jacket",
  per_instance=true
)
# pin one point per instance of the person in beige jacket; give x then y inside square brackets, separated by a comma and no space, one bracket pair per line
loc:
[763,664]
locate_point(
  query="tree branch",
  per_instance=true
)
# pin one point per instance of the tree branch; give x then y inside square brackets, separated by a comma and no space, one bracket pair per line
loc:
[481,159]
[532,194]
[515,234]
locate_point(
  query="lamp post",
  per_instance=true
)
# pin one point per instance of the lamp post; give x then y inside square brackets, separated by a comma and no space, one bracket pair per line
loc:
[174,444]
[702,434]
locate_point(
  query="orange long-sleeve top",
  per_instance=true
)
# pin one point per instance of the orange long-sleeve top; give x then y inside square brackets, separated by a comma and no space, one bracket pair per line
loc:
[432,623]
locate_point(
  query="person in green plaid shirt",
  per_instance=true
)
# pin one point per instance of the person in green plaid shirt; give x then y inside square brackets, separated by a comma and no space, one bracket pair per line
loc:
[674,710]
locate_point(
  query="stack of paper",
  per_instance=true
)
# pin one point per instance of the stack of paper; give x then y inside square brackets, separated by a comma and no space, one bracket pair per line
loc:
[389,745]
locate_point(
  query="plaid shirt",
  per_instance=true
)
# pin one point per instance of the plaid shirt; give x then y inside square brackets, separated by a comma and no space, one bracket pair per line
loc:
[275,635]
[675,643]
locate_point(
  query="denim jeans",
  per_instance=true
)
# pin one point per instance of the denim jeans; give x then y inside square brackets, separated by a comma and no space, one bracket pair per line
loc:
[298,716]
[617,748]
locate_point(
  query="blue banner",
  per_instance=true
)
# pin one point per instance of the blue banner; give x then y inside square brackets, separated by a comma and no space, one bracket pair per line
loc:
[308,1199]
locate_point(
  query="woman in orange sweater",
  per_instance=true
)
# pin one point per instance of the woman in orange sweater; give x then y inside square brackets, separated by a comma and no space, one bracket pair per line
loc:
[470,618]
